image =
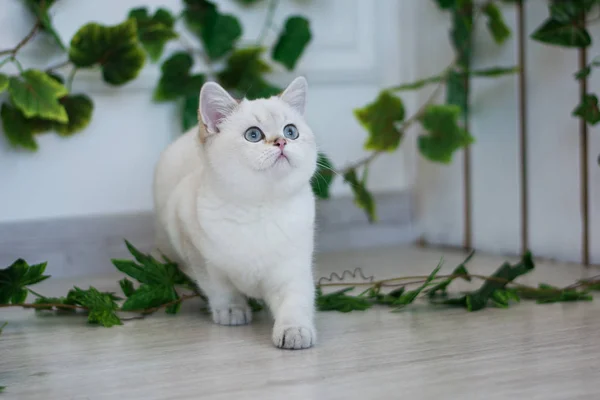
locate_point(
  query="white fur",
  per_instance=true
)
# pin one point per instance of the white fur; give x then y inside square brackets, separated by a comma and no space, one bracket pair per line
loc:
[237,218]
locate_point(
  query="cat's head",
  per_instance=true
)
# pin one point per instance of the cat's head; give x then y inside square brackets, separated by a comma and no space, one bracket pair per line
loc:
[263,146]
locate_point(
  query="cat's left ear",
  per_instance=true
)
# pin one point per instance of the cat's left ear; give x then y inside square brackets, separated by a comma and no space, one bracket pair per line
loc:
[295,94]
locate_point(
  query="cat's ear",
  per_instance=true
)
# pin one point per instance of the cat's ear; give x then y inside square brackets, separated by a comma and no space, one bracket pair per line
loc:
[295,94]
[215,105]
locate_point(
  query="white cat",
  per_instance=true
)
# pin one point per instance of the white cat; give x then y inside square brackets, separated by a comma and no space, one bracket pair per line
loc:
[235,208]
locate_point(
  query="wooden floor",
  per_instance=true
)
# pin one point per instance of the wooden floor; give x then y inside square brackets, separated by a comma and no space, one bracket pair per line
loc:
[526,352]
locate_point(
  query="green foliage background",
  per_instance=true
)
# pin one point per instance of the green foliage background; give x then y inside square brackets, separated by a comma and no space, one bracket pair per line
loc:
[41,100]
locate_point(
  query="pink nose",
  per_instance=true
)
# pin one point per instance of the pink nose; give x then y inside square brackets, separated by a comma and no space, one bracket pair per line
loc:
[281,142]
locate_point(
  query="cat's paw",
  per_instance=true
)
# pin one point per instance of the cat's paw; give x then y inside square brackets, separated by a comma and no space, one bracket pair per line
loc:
[233,315]
[294,337]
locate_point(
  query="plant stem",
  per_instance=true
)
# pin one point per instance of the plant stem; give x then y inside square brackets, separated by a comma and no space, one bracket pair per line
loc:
[71,77]
[58,66]
[268,21]
[23,41]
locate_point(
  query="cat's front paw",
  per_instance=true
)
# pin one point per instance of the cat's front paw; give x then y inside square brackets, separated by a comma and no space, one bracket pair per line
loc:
[294,337]
[233,315]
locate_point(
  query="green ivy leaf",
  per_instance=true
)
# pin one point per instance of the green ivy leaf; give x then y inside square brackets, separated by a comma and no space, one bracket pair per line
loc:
[255,305]
[189,115]
[461,33]
[150,296]
[410,296]
[323,177]
[55,300]
[101,305]
[457,91]
[444,135]
[244,74]
[494,72]
[158,281]
[495,23]
[478,299]
[362,197]
[3,82]
[154,31]
[552,294]
[1,328]
[15,279]
[114,48]
[588,109]
[380,118]
[570,33]
[36,94]
[441,288]
[17,128]
[218,32]
[292,41]
[39,8]
[446,4]
[340,301]
[127,287]
[79,108]
[176,80]
[417,84]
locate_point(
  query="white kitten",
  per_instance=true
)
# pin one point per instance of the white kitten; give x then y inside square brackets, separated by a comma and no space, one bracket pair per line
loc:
[235,208]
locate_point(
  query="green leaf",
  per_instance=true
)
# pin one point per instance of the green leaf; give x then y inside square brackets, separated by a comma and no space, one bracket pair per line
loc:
[444,136]
[292,41]
[101,305]
[583,73]
[362,197]
[442,287]
[55,300]
[15,279]
[114,48]
[3,82]
[457,91]
[79,108]
[461,33]
[563,33]
[410,296]
[340,301]
[255,305]
[417,84]
[150,296]
[154,31]
[478,299]
[380,119]
[244,74]
[446,4]
[127,287]
[17,128]
[189,113]
[588,109]
[176,80]
[495,23]
[323,177]
[36,94]
[218,32]
[1,328]
[494,72]
[39,8]
[551,294]
[158,281]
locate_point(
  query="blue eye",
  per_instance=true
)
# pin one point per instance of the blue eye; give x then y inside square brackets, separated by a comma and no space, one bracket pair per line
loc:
[254,135]
[291,132]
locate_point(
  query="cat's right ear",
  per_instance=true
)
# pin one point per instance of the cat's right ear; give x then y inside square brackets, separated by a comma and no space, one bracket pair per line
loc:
[215,105]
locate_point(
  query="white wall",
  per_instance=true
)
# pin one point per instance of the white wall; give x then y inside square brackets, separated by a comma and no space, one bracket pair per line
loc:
[357,49]
[553,137]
